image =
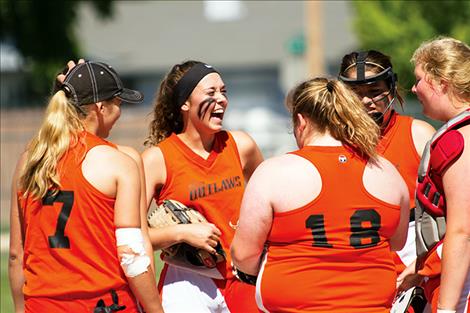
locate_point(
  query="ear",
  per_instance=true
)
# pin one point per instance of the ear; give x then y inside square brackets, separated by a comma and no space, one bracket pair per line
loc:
[301,122]
[185,106]
[100,106]
[443,86]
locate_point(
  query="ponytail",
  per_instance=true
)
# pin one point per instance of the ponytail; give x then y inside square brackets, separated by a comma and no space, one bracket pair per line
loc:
[333,107]
[60,127]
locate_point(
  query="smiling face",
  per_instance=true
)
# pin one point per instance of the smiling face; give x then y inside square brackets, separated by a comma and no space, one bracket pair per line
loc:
[207,104]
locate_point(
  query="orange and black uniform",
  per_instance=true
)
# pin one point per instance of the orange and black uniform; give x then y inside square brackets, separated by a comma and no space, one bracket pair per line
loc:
[332,254]
[70,255]
[213,186]
[398,147]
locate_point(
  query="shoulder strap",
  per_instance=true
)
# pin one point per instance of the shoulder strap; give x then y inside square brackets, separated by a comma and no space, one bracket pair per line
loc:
[446,151]
[459,121]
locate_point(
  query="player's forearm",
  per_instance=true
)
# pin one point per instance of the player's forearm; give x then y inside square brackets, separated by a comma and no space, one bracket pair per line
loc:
[165,237]
[455,266]
[244,261]
[145,289]
[16,277]
[148,247]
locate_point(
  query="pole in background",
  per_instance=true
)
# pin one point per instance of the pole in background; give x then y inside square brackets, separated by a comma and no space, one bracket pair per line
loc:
[314,36]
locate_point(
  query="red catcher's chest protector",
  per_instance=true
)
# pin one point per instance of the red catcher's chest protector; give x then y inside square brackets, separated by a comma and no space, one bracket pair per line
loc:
[444,148]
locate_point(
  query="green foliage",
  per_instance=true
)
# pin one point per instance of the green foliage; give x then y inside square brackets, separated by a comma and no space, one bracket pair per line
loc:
[397,28]
[6,301]
[43,32]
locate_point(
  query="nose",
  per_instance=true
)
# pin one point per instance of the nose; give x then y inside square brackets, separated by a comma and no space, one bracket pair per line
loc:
[367,102]
[220,97]
[413,89]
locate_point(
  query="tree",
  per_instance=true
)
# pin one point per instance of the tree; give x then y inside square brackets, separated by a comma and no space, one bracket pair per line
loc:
[43,32]
[397,28]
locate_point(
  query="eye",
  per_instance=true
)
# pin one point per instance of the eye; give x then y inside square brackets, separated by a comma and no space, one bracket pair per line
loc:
[376,92]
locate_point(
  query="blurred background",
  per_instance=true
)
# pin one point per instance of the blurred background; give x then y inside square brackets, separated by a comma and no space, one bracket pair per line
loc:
[262,49]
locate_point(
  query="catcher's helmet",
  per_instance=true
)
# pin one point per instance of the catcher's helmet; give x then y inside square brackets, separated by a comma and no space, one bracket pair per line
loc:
[387,75]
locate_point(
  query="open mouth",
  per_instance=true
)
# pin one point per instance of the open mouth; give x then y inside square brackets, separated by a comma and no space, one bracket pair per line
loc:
[219,113]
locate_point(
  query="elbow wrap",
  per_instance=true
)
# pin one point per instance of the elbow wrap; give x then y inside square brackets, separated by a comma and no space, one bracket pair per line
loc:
[134,261]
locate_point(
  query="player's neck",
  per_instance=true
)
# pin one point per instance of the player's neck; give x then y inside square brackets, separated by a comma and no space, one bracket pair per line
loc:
[200,143]
[322,140]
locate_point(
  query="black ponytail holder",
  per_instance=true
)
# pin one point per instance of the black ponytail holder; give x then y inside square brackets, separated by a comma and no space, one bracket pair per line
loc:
[330,86]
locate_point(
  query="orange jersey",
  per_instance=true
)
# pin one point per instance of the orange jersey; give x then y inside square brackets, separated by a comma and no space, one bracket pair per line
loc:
[397,146]
[70,244]
[333,254]
[213,186]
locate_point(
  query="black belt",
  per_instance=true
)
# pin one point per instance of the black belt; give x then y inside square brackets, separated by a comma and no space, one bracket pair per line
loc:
[412,215]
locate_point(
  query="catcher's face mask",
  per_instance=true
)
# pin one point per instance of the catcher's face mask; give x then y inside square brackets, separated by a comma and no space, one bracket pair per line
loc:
[377,88]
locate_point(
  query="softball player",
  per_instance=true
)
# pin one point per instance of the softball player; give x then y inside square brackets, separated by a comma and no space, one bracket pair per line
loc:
[191,159]
[75,219]
[327,214]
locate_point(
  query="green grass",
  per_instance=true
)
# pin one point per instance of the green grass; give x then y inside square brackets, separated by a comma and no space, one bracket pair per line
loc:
[6,301]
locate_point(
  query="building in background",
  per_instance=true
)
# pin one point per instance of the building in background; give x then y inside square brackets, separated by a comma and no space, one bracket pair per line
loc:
[259,46]
[13,90]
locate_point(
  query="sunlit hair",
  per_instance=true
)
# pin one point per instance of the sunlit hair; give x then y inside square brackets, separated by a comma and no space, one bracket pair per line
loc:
[376,62]
[446,59]
[167,117]
[335,108]
[59,128]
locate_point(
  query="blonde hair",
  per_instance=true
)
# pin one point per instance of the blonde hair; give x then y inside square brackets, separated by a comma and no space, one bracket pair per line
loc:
[335,108]
[446,59]
[60,127]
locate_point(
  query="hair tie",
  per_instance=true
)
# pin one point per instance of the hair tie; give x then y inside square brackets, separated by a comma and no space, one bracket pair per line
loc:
[330,85]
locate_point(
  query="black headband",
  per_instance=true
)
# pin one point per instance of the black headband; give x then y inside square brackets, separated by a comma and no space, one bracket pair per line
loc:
[185,86]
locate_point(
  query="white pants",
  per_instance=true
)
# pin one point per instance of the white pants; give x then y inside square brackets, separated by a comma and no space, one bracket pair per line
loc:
[187,292]
[408,253]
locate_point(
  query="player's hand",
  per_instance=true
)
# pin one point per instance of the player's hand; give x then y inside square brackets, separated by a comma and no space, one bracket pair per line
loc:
[70,65]
[202,235]
[408,278]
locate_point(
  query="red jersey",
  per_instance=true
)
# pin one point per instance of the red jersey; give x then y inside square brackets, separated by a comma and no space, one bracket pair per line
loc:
[213,186]
[397,146]
[332,254]
[70,244]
